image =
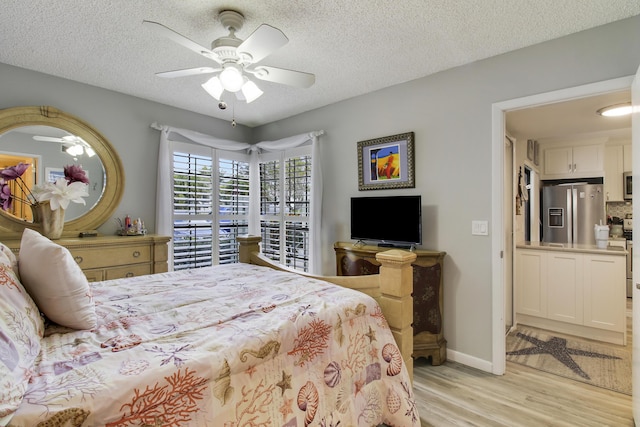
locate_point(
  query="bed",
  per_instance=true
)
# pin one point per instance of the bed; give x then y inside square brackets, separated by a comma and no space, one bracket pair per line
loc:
[232,345]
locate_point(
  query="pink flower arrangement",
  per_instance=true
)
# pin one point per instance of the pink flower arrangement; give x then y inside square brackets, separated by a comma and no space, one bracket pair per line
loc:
[70,188]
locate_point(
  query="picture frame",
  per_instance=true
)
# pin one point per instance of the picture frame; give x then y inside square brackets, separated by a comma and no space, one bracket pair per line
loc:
[536,153]
[387,162]
[52,174]
[530,149]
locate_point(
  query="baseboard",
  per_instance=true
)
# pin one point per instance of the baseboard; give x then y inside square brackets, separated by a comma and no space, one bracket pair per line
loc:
[474,362]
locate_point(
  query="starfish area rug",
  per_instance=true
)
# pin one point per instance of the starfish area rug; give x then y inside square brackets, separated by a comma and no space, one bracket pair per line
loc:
[599,364]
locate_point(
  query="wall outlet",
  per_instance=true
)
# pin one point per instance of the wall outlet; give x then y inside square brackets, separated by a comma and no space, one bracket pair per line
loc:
[480,228]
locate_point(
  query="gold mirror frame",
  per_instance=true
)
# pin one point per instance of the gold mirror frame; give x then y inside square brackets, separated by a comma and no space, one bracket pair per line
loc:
[16,117]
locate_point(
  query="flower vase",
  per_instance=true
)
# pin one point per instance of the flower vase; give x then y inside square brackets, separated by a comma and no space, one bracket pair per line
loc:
[51,221]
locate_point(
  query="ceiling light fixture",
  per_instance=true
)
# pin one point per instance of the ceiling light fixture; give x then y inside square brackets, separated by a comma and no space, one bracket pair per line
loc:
[236,59]
[251,91]
[215,87]
[75,150]
[231,77]
[616,110]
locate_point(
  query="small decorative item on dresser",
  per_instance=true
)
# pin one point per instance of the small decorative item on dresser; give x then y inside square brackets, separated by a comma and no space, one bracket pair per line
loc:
[131,228]
[49,200]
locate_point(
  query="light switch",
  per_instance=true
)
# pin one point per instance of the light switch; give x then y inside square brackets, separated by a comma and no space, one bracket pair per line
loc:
[480,228]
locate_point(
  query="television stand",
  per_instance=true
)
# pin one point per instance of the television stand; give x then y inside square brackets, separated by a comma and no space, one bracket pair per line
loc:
[394,245]
[428,308]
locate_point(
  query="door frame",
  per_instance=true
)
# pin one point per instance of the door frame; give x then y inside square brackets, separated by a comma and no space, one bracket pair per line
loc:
[498,132]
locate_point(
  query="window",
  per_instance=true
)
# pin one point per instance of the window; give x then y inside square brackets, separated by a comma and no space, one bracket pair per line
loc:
[210,205]
[285,194]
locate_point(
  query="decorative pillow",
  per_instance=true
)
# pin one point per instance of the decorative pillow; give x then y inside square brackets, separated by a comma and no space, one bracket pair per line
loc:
[21,328]
[55,282]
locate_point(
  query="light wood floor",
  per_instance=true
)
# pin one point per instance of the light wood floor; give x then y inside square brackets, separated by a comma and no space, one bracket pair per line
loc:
[456,395]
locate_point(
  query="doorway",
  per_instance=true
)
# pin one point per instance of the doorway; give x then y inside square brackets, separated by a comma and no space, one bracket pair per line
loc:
[501,263]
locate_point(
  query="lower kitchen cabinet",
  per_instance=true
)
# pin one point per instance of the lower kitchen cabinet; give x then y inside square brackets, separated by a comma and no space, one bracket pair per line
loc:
[603,308]
[565,297]
[580,293]
[531,279]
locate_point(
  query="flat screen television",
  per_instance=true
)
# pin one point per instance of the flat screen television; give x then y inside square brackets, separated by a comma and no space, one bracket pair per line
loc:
[394,221]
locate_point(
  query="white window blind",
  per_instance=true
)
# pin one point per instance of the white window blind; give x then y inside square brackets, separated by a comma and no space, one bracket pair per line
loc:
[285,199]
[210,205]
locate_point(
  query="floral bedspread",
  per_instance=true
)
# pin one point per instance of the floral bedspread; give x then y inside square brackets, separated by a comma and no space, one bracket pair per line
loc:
[231,346]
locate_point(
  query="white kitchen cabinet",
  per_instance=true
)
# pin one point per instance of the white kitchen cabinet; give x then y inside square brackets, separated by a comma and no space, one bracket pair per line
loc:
[565,274]
[602,301]
[573,162]
[580,292]
[531,271]
[628,159]
[614,161]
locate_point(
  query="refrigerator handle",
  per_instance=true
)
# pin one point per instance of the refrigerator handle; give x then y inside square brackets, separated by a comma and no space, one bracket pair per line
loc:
[574,214]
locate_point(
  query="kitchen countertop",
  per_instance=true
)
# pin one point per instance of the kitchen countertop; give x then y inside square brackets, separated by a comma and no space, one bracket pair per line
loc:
[573,247]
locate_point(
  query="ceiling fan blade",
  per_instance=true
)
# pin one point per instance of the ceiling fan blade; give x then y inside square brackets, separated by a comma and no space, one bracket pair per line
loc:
[167,32]
[262,42]
[283,76]
[188,72]
[47,138]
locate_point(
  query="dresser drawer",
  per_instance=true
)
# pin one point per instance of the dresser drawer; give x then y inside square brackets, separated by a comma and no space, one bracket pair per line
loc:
[107,257]
[127,271]
[94,275]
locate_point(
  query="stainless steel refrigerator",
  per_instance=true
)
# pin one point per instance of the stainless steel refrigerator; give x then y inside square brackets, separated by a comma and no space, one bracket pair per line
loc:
[571,211]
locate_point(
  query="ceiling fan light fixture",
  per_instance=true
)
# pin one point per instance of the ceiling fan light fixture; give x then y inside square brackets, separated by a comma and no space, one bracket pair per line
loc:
[75,150]
[231,77]
[213,86]
[616,110]
[251,91]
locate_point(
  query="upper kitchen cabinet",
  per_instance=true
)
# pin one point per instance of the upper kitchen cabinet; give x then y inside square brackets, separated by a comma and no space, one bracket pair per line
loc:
[579,161]
[613,169]
[617,160]
[628,159]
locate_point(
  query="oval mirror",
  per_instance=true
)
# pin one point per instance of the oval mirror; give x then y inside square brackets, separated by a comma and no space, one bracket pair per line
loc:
[50,139]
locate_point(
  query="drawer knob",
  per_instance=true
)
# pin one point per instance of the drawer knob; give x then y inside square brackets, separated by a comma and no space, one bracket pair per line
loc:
[78,259]
[129,274]
[136,254]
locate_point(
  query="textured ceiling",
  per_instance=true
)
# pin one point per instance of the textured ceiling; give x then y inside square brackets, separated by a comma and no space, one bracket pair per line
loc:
[353,47]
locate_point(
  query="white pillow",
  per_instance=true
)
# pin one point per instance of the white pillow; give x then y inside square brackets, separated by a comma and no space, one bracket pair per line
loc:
[55,282]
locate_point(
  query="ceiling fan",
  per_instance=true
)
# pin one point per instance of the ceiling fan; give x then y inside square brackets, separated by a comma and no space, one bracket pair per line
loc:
[73,145]
[237,59]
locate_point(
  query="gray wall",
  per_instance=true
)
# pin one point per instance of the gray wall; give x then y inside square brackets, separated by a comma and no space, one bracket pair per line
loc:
[450,113]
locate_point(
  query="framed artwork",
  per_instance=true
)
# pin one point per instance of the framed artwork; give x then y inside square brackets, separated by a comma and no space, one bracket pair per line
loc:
[386,163]
[52,174]
[530,149]
[536,153]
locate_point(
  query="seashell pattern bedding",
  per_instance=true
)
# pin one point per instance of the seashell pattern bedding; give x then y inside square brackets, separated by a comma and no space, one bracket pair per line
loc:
[232,345]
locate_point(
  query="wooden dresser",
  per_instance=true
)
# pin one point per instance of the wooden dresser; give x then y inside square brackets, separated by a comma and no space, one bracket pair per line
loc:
[428,338]
[114,257]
